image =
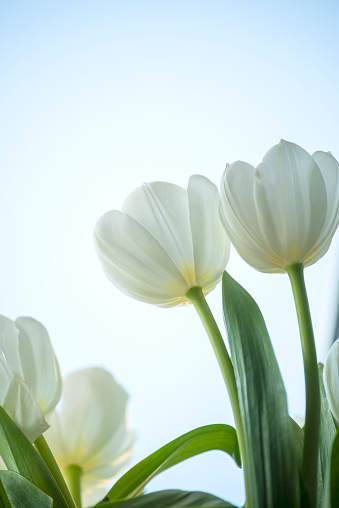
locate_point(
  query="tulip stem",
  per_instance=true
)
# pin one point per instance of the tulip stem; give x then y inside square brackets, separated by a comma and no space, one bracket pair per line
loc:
[48,457]
[196,296]
[312,415]
[73,477]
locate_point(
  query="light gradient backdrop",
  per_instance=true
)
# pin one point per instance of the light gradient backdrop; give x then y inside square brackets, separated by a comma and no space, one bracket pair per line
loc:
[100,96]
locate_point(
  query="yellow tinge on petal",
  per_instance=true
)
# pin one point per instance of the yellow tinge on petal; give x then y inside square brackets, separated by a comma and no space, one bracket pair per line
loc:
[89,430]
[165,241]
[188,273]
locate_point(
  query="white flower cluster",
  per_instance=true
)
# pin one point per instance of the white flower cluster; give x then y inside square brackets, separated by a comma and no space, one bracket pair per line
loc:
[167,240]
[89,430]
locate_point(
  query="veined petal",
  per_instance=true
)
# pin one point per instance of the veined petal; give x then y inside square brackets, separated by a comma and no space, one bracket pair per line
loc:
[330,172]
[92,410]
[96,481]
[284,212]
[92,494]
[27,373]
[135,261]
[20,404]
[238,214]
[113,454]
[6,376]
[331,379]
[211,245]
[149,250]
[40,367]
[9,345]
[162,209]
[90,431]
[98,413]
[291,200]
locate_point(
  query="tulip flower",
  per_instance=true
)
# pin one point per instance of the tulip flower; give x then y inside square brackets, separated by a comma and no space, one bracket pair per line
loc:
[283,212]
[165,241]
[331,379]
[30,380]
[88,435]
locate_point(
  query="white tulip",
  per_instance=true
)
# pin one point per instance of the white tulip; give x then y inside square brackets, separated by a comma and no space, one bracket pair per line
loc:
[165,241]
[30,380]
[331,379]
[89,430]
[283,212]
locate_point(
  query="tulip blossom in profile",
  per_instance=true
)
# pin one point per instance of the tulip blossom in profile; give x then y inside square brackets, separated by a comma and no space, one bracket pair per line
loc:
[88,435]
[30,380]
[331,379]
[283,212]
[165,241]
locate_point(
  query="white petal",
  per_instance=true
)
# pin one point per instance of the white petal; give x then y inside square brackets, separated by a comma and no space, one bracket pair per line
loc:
[96,480]
[20,404]
[135,261]
[162,209]
[6,376]
[331,379]
[90,496]
[39,364]
[56,439]
[92,410]
[113,455]
[330,171]
[211,245]
[238,214]
[9,345]
[291,200]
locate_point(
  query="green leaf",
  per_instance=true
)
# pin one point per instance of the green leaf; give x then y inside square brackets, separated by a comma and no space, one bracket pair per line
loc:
[21,457]
[298,440]
[331,495]
[170,499]
[327,433]
[4,501]
[20,493]
[272,472]
[203,439]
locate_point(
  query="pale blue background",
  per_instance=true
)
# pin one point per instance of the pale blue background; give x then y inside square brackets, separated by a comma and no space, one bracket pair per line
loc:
[99,96]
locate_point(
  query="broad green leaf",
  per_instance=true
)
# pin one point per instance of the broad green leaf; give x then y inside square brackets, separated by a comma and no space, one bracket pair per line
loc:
[331,494]
[4,501]
[21,457]
[327,434]
[20,493]
[203,439]
[272,471]
[170,499]
[298,440]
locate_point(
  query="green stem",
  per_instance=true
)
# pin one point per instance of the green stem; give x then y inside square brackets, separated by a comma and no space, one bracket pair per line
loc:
[73,476]
[312,416]
[48,457]
[196,296]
